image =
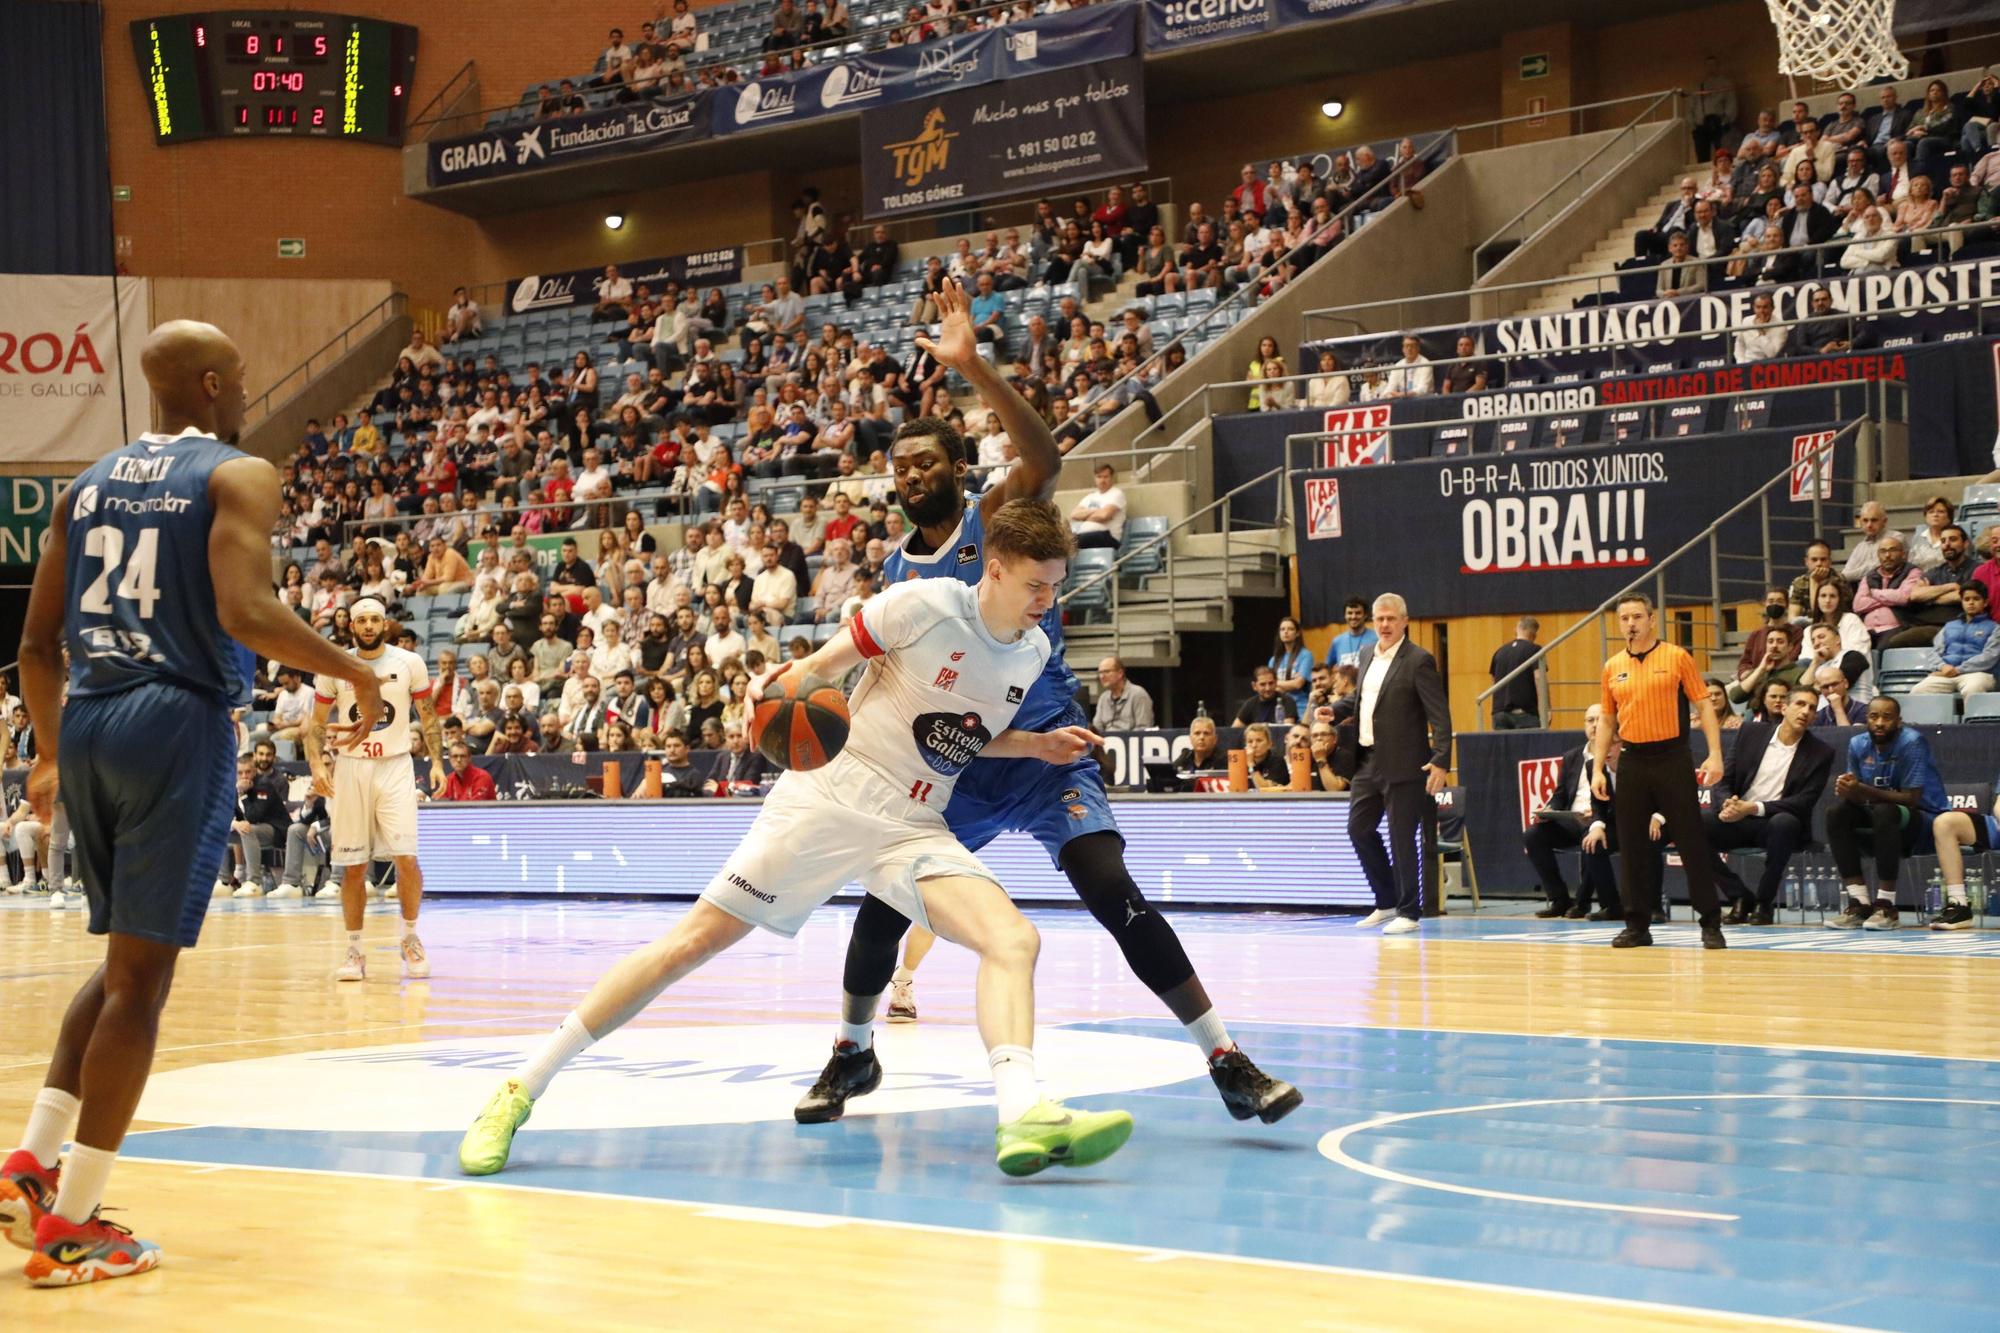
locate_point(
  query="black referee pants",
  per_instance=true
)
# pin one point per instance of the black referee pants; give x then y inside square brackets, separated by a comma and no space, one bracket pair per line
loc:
[1661,781]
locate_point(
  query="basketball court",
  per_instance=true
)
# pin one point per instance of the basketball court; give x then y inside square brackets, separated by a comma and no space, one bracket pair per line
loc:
[1507,1125]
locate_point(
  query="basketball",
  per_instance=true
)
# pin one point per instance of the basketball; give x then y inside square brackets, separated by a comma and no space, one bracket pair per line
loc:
[801,723]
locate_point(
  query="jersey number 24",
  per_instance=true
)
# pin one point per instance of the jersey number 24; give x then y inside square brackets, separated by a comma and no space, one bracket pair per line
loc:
[108,544]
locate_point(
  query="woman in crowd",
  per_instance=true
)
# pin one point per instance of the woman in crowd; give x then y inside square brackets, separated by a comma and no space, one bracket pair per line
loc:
[1155,264]
[1329,388]
[340,634]
[1718,699]
[1267,349]
[482,612]
[705,701]
[1917,213]
[659,712]
[1833,605]
[583,386]
[1277,395]
[1293,662]
[616,738]
[1924,545]
[737,708]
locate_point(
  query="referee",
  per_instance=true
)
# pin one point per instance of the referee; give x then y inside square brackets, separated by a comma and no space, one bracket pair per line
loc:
[1647,689]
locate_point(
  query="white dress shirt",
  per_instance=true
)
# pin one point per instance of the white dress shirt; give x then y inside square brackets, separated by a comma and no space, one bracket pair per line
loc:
[1371,689]
[1769,784]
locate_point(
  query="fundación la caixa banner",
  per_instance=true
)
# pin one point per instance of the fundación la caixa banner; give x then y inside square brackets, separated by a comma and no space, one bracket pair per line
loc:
[66,396]
[1017,137]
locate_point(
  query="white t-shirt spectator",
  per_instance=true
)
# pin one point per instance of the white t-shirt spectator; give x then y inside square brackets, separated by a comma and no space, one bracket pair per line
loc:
[1114,499]
[592,484]
[992,449]
[774,590]
[1761,342]
[291,707]
[614,291]
[1410,377]
[722,647]
[463,317]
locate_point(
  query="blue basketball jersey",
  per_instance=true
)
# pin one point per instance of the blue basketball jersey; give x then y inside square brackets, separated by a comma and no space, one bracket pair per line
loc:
[963,557]
[141,604]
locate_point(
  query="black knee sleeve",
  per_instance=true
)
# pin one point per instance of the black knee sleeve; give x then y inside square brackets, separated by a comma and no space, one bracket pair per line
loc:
[1095,865]
[871,949]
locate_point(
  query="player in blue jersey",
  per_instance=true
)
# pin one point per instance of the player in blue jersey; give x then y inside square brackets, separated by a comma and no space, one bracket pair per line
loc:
[1062,806]
[158,557]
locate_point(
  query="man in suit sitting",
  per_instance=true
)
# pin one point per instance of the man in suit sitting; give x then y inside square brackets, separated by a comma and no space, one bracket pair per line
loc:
[1571,819]
[1678,215]
[1805,222]
[1403,736]
[1886,125]
[1774,780]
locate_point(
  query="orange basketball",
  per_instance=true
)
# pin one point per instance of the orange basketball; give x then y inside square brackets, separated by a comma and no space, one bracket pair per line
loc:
[801,722]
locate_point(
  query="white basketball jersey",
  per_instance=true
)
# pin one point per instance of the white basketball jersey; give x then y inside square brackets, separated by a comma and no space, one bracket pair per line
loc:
[938,687]
[404,679]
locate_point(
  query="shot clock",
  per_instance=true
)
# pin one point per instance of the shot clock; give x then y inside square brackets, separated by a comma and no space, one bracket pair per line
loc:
[284,72]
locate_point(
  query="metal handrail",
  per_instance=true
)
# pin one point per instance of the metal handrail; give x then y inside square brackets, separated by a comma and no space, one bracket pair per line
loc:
[440,97]
[1222,502]
[1657,575]
[1672,95]
[1615,276]
[389,307]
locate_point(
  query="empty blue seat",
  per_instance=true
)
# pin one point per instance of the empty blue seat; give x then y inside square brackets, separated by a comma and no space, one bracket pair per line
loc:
[1144,544]
[1929,709]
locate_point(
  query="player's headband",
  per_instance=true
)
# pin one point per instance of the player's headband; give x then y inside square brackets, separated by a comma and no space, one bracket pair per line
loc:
[368,606]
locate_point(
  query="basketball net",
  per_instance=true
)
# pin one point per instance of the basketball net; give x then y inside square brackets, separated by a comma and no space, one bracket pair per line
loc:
[1845,42]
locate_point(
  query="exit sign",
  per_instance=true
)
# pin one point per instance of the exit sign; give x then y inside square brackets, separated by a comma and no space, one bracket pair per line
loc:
[1535,66]
[291,247]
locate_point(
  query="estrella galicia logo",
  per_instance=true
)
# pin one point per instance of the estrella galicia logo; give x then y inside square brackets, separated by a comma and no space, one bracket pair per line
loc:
[1015,694]
[950,741]
[1070,795]
[967,553]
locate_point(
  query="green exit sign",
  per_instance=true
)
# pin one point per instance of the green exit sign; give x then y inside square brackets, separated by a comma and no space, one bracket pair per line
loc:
[291,247]
[1535,66]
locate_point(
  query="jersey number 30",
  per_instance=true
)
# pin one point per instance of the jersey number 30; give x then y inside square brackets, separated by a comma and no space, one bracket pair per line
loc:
[108,544]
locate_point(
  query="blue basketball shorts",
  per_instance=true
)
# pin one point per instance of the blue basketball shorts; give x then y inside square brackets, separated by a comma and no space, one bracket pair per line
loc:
[1051,803]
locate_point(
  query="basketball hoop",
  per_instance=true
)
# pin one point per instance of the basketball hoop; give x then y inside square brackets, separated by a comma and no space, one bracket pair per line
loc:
[1845,42]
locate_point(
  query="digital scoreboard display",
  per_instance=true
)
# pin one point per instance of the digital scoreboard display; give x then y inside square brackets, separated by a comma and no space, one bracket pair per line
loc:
[288,72]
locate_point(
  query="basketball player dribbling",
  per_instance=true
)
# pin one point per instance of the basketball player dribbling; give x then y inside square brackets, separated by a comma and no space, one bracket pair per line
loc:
[373,790]
[948,665]
[158,557]
[1063,807]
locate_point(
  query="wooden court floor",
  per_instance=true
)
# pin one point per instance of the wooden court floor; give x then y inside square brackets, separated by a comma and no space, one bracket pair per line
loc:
[279,1208]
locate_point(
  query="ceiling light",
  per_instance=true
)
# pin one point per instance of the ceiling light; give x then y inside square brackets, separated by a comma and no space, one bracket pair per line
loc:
[1332,109]
[614,220]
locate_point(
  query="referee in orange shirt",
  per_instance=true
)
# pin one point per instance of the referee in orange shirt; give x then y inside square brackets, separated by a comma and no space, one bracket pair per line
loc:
[1647,690]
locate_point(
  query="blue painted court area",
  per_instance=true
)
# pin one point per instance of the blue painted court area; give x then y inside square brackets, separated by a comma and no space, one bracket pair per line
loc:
[1852,1189]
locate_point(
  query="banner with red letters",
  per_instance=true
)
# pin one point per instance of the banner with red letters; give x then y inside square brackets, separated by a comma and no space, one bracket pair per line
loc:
[66,394]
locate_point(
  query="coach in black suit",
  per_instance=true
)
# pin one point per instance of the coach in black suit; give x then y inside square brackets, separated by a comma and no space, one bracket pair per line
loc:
[1766,801]
[1570,814]
[1403,736]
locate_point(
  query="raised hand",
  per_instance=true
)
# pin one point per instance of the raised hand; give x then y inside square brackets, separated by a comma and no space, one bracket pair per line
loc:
[956,345]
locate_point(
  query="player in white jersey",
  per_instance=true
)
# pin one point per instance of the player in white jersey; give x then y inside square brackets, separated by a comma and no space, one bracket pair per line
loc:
[373,789]
[948,666]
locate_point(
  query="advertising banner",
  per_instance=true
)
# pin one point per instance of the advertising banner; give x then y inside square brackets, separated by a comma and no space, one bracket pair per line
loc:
[578,286]
[1022,135]
[1556,531]
[630,127]
[1177,23]
[66,395]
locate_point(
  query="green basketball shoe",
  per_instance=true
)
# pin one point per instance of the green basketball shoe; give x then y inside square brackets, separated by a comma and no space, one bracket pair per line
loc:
[485,1146]
[1052,1134]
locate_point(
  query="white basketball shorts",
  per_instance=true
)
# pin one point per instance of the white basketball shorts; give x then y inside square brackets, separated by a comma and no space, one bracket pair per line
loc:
[374,811]
[838,825]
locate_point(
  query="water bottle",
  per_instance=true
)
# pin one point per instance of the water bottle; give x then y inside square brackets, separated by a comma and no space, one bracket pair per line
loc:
[1975,890]
[1790,899]
[1934,894]
[1201,708]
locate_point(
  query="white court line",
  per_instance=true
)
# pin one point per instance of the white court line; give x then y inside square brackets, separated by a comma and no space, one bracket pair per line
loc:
[1330,1143]
[1145,1253]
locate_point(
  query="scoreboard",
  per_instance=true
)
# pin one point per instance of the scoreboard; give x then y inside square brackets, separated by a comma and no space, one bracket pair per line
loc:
[282,72]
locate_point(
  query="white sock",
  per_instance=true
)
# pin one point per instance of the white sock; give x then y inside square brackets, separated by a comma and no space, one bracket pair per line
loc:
[1208,1033]
[83,1180]
[858,1035]
[1886,896]
[1859,893]
[563,1045]
[409,929]
[1956,895]
[354,939]
[1014,1081]
[49,1120]
[903,976]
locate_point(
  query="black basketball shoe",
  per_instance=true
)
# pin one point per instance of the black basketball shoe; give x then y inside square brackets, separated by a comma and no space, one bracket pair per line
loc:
[848,1074]
[1249,1091]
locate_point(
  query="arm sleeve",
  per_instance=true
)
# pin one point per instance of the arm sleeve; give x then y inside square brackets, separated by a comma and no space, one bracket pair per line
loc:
[420,677]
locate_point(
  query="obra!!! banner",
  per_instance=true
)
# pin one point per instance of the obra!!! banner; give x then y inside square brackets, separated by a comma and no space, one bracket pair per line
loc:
[1558,532]
[1023,135]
